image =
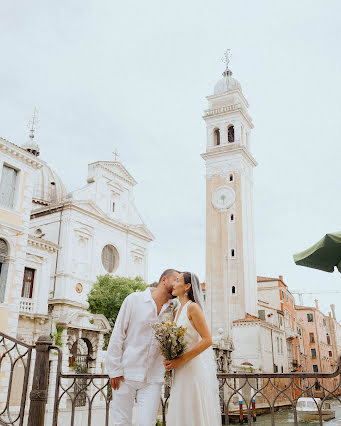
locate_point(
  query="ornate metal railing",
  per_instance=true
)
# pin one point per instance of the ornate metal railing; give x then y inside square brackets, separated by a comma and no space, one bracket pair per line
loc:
[91,391]
[85,398]
[15,363]
[244,396]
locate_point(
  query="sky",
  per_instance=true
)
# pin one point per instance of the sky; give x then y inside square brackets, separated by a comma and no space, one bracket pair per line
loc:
[133,76]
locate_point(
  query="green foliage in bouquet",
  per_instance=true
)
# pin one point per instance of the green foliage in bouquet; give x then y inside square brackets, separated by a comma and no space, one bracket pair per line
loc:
[172,342]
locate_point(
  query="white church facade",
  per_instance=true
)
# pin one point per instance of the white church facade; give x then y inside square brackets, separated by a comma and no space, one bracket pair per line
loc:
[53,245]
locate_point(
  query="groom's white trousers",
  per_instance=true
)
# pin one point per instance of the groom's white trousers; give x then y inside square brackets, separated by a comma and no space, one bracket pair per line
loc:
[148,400]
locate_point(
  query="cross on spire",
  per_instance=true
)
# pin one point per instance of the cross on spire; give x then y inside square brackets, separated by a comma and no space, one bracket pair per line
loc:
[116,154]
[227,58]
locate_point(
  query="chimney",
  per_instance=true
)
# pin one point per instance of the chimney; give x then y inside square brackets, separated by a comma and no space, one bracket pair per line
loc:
[332,307]
[280,277]
[316,304]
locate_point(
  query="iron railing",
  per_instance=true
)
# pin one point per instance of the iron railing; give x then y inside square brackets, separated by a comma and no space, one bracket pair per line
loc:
[15,363]
[243,396]
[86,390]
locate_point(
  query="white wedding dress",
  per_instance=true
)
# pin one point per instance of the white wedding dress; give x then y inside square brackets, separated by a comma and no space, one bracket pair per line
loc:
[194,397]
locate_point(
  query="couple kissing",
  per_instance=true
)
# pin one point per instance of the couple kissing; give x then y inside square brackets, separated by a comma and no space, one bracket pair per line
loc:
[136,367]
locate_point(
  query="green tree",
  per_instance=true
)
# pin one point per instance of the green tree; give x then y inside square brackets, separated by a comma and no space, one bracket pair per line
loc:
[107,295]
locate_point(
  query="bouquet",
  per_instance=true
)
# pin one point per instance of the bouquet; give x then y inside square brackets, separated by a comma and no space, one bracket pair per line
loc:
[172,342]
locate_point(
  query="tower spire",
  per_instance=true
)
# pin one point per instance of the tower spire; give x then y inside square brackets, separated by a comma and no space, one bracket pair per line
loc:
[33,123]
[31,146]
[227,59]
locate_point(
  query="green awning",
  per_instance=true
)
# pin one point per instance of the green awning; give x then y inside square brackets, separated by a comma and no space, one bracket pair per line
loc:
[324,255]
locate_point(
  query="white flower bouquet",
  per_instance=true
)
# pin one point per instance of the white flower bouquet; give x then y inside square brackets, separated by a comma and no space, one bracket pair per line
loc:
[172,342]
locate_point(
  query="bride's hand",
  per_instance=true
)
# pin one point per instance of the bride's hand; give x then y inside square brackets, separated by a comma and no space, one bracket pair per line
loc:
[174,363]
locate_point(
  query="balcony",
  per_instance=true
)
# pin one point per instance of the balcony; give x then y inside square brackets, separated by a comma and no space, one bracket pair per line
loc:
[27,306]
[290,333]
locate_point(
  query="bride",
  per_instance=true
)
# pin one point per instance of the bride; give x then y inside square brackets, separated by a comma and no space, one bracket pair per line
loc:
[194,398]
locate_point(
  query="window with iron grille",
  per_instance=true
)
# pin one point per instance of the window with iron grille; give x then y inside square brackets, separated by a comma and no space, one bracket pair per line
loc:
[7,186]
[310,318]
[27,285]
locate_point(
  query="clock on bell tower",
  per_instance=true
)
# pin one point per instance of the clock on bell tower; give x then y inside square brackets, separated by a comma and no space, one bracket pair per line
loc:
[231,282]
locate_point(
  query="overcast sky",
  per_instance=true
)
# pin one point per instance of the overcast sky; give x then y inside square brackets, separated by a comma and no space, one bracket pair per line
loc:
[134,75]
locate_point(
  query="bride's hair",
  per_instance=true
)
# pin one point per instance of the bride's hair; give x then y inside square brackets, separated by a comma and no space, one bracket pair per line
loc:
[187,279]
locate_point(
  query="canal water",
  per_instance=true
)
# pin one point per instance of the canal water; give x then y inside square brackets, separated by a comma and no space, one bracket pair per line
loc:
[286,417]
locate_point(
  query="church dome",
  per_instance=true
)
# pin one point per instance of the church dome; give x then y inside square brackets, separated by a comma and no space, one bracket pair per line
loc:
[48,188]
[226,83]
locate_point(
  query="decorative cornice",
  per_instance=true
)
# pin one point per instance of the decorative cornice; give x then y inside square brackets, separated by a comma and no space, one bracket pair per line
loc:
[103,165]
[228,109]
[42,244]
[230,92]
[217,153]
[20,153]
[130,229]
[10,228]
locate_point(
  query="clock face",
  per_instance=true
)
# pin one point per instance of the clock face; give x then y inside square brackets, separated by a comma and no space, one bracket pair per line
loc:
[223,197]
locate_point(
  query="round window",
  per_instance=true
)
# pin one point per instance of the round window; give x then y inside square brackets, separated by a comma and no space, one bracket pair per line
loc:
[110,258]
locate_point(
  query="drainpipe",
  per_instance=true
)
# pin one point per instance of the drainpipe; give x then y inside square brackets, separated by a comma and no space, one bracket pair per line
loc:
[57,254]
[272,351]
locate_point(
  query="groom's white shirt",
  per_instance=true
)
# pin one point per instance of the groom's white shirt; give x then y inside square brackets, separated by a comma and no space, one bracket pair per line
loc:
[133,352]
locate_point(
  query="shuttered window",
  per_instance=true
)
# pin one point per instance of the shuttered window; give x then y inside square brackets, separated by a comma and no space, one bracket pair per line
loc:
[27,285]
[7,186]
[261,314]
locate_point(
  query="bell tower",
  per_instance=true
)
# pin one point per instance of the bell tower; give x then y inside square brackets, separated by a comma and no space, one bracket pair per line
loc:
[231,282]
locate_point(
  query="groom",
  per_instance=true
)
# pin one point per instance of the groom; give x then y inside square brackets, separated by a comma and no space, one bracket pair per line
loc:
[134,363]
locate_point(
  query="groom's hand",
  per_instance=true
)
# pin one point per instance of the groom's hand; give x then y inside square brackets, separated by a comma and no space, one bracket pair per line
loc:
[116,381]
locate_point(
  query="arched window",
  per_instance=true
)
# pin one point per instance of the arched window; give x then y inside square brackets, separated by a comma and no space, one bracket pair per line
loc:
[232,253]
[230,133]
[233,289]
[231,177]
[3,268]
[232,217]
[216,137]
[79,360]
[328,339]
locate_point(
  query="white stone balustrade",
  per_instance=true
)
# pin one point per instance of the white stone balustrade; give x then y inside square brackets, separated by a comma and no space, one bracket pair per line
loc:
[222,109]
[27,305]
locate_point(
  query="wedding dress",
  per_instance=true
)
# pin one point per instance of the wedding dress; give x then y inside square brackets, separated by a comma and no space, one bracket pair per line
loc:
[194,397]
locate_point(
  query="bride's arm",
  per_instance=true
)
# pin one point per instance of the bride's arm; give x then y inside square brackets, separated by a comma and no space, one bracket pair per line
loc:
[198,320]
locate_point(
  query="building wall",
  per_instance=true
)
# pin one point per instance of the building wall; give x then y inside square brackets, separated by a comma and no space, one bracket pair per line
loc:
[275,292]
[322,354]
[14,223]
